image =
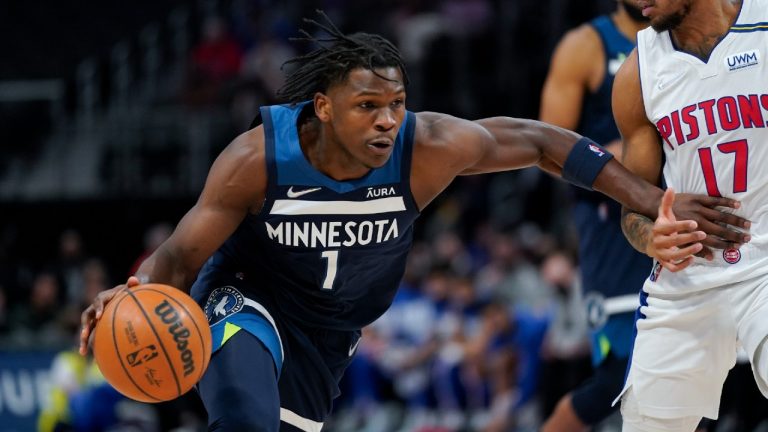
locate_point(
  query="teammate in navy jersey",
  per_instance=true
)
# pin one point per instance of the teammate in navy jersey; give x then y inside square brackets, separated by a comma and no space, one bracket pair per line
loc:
[577,95]
[300,234]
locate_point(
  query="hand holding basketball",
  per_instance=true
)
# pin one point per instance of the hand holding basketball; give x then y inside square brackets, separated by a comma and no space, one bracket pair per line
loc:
[93,313]
[152,342]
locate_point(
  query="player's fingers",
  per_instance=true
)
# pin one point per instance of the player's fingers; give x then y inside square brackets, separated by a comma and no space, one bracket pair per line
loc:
[99,302]
[712,202]
[706,253]
[86,322]
[666,242]
[719,237]
[674,254]
[132,282]
[667,200]
[720,217]
[715,242]
[678,265]
[672,227]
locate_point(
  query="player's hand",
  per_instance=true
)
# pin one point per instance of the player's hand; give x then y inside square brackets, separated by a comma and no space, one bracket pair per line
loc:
[92,314]
[674,243]
[716,223]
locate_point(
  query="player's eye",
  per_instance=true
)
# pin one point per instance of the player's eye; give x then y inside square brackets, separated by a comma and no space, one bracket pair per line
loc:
[367,105]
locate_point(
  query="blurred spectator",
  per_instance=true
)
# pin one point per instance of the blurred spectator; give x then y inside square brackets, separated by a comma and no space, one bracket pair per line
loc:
[69,264]
[264,61]
[460,388]
[153,237]
[507,347]
[566,349]
[512,277]
[36,323]
[214,61]
[95,280]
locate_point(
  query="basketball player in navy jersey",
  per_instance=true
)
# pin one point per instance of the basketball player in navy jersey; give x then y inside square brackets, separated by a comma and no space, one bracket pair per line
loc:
[300,235]
[577,96]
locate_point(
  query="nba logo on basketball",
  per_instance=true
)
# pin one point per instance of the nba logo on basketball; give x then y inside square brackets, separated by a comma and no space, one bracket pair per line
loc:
[731,256]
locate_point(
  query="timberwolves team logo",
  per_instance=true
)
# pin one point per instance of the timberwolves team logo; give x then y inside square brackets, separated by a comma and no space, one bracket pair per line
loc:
[223,302]
[732,256]
[596,314]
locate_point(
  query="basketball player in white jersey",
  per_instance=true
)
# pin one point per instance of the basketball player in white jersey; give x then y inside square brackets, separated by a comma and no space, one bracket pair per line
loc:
[691,103]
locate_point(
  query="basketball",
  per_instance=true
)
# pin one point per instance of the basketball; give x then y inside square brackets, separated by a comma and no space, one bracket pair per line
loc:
[152,343]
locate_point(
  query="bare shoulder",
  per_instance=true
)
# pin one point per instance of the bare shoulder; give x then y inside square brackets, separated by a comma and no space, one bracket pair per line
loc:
[627,98]
[580,51]
[239,174]
[629,72]
[444,146]
[247,147]
[577,41]
[435,131]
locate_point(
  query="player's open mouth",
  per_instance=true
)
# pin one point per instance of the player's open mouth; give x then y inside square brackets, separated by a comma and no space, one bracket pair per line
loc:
[380,145]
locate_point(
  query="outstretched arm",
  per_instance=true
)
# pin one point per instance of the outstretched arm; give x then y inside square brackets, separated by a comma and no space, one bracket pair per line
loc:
[447,146]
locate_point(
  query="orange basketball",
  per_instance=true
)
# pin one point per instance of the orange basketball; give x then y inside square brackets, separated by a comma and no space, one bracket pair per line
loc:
[152,343]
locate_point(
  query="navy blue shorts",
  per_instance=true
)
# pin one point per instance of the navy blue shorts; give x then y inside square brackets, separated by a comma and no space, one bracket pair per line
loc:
[250,336]
[592,400]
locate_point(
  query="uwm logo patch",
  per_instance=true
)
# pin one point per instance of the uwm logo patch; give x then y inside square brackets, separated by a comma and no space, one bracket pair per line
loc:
[742,60]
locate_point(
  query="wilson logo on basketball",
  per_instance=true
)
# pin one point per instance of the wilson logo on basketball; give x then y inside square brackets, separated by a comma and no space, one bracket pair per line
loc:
[181,334]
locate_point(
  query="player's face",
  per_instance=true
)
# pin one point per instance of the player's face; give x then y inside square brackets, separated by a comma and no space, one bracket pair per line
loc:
[665,14]
[366,113]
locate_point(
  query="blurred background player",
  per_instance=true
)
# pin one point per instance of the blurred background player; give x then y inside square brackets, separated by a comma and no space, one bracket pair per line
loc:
[577,95]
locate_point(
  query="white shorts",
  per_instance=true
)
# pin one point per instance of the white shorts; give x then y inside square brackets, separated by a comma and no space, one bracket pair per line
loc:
[687,343]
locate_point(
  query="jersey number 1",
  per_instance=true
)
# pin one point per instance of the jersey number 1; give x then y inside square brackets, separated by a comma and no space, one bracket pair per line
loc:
[741,156]
[330,271]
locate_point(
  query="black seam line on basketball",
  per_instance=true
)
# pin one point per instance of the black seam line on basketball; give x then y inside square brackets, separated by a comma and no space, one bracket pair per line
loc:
[120,356]
[159,342]
[199,333]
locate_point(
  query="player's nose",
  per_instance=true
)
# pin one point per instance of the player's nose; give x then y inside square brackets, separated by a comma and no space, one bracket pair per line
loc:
[385,120]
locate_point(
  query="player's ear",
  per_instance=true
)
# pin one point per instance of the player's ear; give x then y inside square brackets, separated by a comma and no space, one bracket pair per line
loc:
[322,107]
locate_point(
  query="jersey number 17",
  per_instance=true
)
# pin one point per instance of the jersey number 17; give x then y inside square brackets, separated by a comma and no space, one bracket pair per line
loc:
[740,149]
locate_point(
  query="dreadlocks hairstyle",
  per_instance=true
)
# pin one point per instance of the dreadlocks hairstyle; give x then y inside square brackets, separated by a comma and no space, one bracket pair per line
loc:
[337,55]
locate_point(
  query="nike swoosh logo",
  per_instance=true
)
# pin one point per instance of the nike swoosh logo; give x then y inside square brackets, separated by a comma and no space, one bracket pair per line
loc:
[292,194]
[354,347]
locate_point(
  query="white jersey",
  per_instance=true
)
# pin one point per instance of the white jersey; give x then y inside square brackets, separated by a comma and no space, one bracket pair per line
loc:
[712,118]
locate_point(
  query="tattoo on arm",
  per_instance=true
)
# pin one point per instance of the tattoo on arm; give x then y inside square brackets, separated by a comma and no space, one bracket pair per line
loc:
[637,229]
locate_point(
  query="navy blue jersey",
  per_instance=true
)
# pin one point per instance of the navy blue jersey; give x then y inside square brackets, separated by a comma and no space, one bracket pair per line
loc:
[610,266]
[326,253]
[596,116]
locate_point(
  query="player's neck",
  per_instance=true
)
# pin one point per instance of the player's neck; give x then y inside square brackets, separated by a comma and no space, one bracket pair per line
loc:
[706,24]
